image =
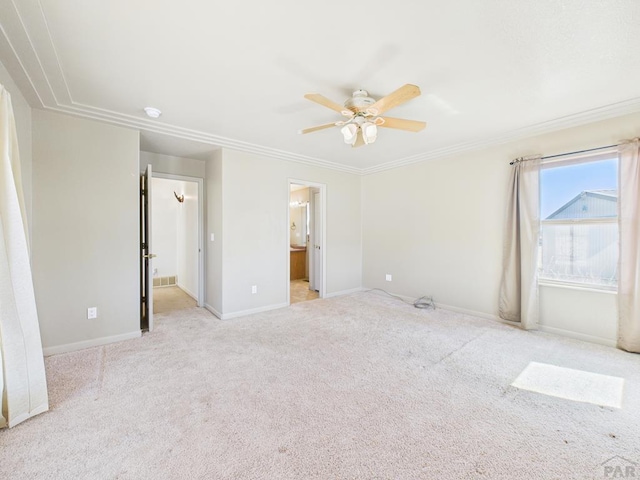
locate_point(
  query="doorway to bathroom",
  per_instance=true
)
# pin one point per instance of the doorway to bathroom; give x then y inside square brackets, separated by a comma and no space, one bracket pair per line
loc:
[305,235]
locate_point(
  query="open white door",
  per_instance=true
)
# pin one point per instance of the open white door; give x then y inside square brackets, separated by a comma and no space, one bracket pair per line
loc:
[317,246]
[146,260]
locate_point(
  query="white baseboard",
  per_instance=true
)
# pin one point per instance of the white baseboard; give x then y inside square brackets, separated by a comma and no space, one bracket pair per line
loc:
[451,308]
[578,336]
[213,310]
[344,292]
[187,291]
[242,313]
[473,313]
[94,342]
[542,328]
[25,416]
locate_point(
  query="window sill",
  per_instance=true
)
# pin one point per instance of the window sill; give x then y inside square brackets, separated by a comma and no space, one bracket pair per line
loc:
[573,286]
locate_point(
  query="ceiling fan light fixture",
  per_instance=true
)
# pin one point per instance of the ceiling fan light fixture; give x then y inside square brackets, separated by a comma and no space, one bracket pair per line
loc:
[350,133]
[365,114]
[369,132]
[359,100]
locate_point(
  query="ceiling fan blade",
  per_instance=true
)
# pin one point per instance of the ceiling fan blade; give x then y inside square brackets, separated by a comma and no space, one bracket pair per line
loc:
[317,127]
[401,95]
[325,102]
[359,141]
[401,124]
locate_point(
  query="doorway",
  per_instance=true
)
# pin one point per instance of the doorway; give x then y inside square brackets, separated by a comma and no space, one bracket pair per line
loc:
[175,270]
[305,241]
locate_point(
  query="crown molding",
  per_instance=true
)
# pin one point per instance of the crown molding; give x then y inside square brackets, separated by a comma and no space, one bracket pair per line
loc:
[45,86]
[588,116]
[582,118]
[131,121]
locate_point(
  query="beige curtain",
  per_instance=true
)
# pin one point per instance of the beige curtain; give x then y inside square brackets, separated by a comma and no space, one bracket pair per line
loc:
[22,375]
[519,286]
[629,265]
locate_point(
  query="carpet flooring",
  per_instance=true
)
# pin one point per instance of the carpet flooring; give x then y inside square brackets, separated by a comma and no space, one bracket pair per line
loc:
[355,387]
[170,299]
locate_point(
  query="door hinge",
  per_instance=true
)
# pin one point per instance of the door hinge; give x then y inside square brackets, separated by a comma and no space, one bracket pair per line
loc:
[144,300]
[144,246]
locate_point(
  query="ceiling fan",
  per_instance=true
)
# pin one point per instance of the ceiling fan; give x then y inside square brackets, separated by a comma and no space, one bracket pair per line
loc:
[364,114]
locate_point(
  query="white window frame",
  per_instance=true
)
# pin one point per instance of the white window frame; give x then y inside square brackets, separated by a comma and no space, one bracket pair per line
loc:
[564,161]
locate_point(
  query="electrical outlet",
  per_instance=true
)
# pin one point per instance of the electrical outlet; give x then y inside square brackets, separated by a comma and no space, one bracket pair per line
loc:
[92,312]
[254,289]
[388,277]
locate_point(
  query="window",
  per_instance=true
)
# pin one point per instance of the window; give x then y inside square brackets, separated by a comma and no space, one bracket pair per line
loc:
[579,216]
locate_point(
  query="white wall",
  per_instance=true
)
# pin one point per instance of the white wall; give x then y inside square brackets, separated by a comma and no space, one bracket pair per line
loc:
[584,314]
[255,202]
[22,114]
[175,232]
[164,231]
[437,226]
[169,164]
[299,216]
[86,245]
[187,239]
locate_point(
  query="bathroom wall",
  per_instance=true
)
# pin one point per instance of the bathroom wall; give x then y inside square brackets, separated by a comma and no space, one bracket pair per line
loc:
[298,215]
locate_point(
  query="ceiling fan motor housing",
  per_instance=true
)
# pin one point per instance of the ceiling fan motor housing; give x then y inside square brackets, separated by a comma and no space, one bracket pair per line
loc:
[359,101]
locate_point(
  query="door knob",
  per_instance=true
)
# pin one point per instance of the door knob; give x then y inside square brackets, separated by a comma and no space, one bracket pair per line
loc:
[150,255]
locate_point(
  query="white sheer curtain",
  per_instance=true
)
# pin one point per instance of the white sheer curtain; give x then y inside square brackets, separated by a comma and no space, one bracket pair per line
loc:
[519,286]
[629,263]
[22,374]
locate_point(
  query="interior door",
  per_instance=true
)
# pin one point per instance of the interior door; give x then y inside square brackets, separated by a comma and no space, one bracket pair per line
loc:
[146,257]
[317,247]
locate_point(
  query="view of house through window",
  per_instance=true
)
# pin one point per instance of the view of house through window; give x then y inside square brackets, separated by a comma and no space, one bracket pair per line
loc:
[578,211]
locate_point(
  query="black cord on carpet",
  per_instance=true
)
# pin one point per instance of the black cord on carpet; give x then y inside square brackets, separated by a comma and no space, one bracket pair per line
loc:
[423,302]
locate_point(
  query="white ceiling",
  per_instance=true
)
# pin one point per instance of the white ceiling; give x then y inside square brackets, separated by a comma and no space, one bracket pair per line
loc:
[233,74]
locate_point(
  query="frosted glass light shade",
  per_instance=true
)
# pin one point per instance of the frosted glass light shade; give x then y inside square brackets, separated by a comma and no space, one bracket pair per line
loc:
[350,133]
[369,132]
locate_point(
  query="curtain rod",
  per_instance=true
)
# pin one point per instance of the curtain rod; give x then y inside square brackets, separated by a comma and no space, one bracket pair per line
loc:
[522,159]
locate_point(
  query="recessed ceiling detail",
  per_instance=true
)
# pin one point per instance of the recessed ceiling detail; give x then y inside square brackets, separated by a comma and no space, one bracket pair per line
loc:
[490,72]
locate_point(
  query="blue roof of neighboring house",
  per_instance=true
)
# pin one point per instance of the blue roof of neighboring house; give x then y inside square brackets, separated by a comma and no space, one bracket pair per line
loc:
[589,204]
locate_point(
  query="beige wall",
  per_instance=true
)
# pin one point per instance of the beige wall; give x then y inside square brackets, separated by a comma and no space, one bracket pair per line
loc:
[255,198]
[437,226]
[22,114]
[85,249]
[213,249]
[188,167]
[584,314]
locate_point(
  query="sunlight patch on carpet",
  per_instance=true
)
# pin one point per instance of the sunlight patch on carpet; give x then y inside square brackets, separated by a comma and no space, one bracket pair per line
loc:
[570,384]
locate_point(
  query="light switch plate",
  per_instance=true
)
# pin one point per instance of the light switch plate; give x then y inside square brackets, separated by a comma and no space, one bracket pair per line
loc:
[388,277]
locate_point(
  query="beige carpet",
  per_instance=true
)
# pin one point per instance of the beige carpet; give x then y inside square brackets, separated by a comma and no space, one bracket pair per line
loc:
[355,387]
[170,299]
